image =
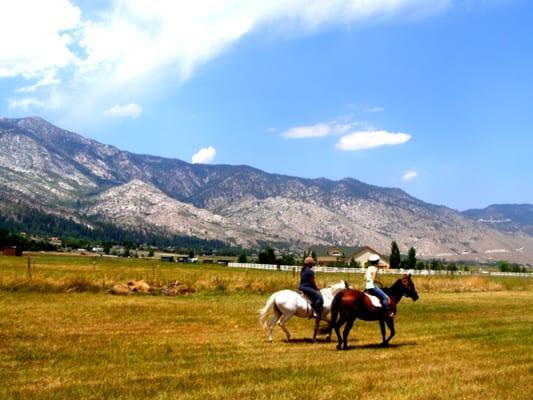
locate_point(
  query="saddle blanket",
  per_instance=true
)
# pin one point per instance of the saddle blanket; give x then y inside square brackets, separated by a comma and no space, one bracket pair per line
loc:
[375,300]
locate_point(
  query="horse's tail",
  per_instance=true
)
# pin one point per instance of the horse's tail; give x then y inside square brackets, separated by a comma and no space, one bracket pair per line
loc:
[335,304]
[263,313]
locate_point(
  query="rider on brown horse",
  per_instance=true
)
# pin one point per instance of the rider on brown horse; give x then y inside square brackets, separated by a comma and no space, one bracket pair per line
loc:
[370,285]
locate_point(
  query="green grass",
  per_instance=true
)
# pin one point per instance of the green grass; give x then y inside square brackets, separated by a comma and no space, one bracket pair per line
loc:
[471,342]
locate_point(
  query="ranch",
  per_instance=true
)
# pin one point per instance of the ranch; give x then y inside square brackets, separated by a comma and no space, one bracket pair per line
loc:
[63,336]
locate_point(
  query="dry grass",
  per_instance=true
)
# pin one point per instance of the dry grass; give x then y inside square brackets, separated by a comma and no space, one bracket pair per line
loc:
[55,274]
[62,336]
[92,346]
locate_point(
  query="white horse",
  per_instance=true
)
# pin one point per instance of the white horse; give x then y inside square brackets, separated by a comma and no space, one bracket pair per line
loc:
[287,303]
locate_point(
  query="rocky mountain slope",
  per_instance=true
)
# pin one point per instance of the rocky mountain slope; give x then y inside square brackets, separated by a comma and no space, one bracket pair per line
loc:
[63,173]
[505,217]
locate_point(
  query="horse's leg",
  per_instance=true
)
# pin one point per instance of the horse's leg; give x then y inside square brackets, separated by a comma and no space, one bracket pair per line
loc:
[383,331]
[390,324]
[272,323]
[284,318]
[337,327]
[328,337]
[346,332]
[317,322]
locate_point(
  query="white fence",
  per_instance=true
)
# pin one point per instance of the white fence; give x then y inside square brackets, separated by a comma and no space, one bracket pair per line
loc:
[296,268]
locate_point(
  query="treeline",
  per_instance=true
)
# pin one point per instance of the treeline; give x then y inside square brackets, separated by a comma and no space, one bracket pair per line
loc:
[23,228]
[8,239]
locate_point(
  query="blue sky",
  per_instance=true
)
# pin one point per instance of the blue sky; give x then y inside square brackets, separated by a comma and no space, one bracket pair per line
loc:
[433,97]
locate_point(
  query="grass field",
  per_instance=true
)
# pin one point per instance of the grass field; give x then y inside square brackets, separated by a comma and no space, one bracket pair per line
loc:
[62,336]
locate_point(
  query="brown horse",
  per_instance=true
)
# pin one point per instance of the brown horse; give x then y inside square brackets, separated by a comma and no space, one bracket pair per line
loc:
[351,304]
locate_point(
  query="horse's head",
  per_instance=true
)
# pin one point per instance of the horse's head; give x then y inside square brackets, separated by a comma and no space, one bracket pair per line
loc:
[409,289]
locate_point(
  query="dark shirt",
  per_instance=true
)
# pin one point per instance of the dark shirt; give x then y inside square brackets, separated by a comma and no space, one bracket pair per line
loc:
[307,278]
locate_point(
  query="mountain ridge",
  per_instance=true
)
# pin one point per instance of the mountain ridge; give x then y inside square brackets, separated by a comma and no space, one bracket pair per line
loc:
[63,172]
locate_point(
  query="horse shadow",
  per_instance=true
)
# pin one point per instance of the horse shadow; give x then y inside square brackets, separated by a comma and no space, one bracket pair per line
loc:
[353,347]
[381,346]
[308,341]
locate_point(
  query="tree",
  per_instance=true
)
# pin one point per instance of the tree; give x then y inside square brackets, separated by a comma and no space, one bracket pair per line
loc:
[411,258]
[267,256]
[504,266]
[242,258]
[394,256]
[420,264]
[288,259]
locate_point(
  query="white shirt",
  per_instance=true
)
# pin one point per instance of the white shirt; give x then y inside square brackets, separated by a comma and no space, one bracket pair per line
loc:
[369,280]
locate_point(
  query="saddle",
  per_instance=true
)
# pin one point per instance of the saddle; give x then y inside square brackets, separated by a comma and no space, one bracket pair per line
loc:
[309,302]
[376,302]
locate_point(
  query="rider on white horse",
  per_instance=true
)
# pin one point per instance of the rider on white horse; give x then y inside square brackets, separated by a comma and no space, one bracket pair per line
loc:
[310,288]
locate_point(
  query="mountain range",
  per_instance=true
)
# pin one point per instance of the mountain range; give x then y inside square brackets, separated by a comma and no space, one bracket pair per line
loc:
[59,173]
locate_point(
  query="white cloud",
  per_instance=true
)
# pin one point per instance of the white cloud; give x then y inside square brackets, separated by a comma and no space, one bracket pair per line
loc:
[205,155]
[135,37]
[125,111]
[48,80]
[299,132]
[409,175]
[25,103]
[370,139]
[320,129]
[36,36]
[132,43]
[374,109]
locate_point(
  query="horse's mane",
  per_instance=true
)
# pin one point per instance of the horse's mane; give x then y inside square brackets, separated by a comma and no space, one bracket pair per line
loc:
[391,289]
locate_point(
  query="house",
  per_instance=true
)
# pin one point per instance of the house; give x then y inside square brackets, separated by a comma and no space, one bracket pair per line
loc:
[362,254]
[346,255]
[213,259]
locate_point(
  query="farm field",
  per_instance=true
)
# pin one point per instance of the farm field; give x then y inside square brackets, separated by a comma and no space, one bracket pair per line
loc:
[63,336]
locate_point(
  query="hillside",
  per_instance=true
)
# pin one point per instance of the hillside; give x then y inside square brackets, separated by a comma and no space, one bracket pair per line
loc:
[62,173]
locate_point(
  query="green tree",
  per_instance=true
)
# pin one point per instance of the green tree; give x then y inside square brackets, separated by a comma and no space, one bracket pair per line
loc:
[420,264]
[288,259]
[395,259]
[411,258]
[504,266]
[354,263]
[267,256]
[126,252]
[242,258]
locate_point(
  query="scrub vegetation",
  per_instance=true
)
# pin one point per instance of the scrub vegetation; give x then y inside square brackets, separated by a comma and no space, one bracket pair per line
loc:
[62,335]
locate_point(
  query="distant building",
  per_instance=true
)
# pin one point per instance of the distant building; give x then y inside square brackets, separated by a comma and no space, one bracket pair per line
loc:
[55,241]
[346,255]
[12,251]
[213,259]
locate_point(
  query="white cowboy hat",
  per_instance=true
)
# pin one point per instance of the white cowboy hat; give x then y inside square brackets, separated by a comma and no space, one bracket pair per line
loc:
[373,258]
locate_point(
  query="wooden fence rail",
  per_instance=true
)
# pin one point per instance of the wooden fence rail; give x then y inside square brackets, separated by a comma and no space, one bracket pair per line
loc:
[422,272]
